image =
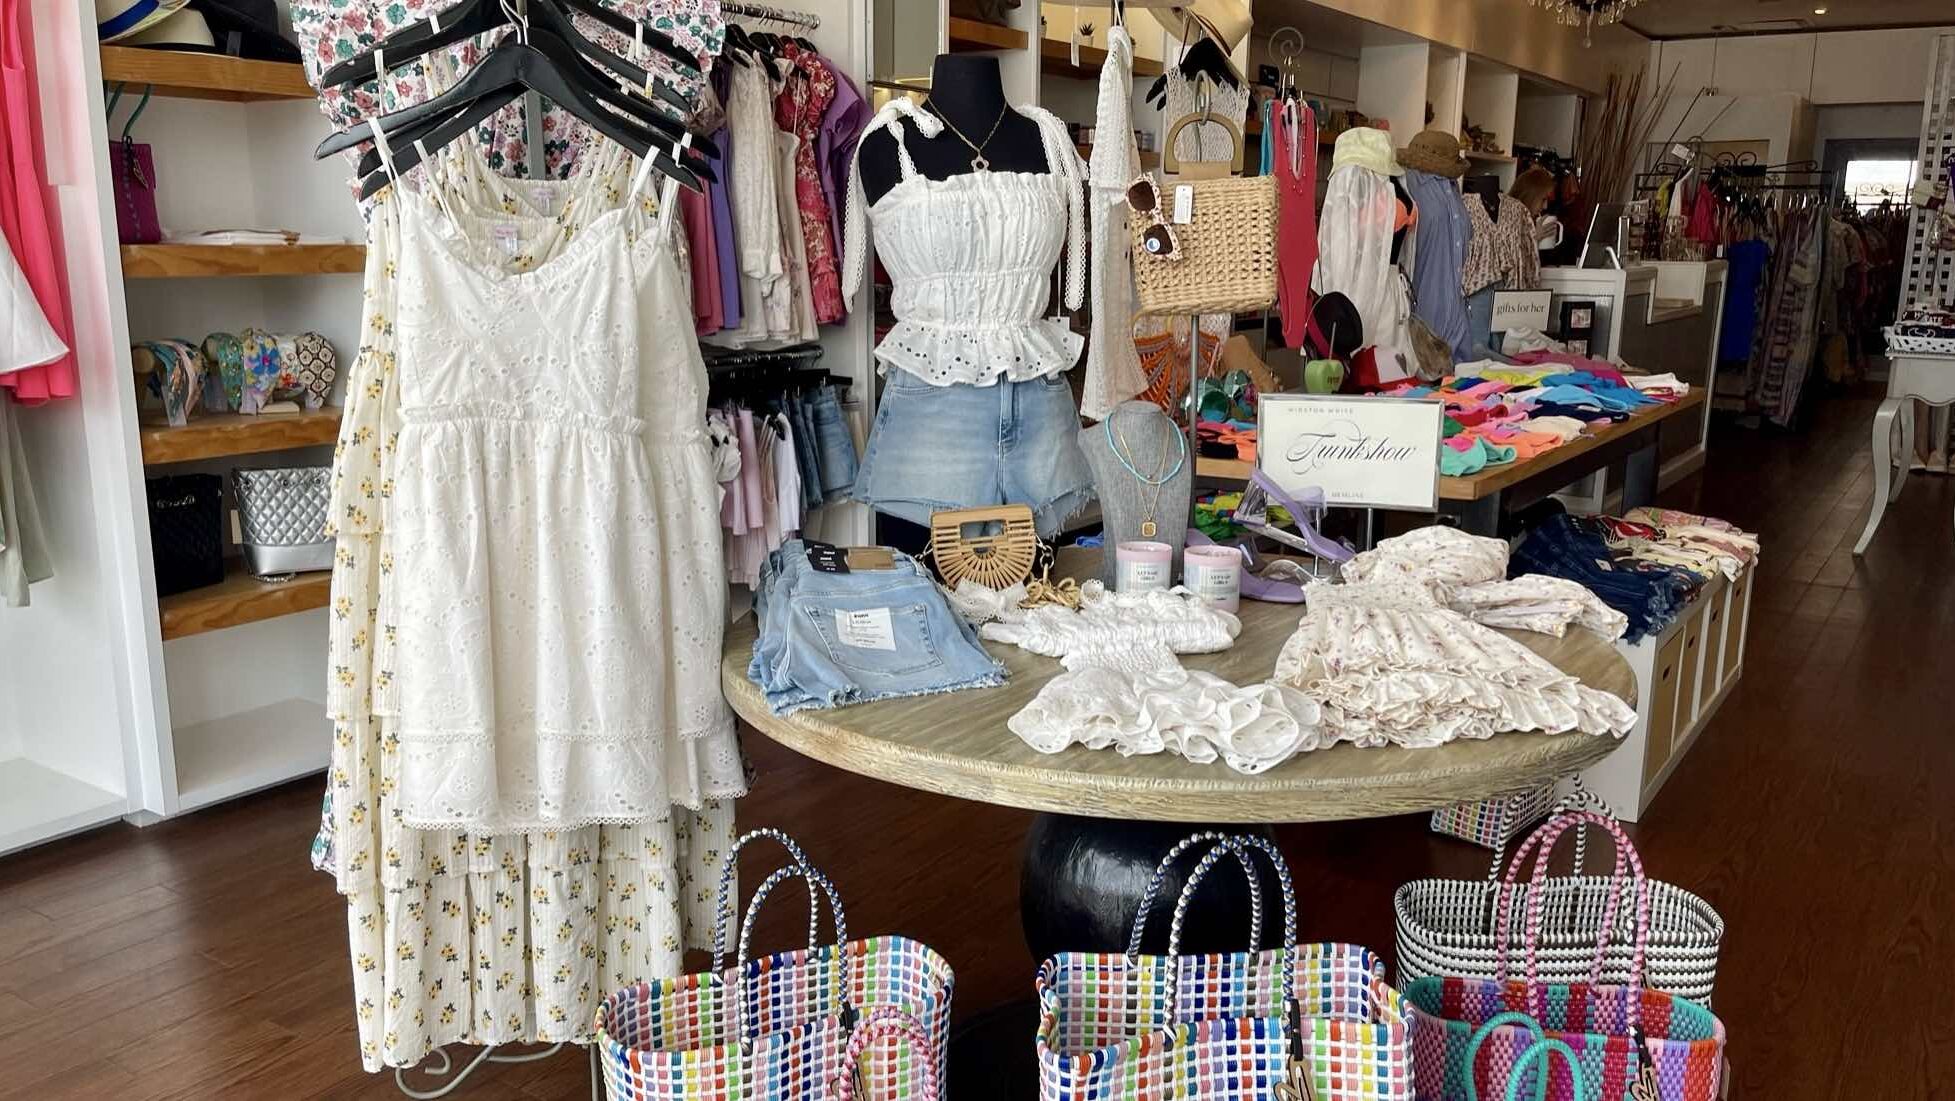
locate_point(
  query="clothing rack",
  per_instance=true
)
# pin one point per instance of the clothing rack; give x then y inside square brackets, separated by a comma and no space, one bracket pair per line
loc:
[807,20]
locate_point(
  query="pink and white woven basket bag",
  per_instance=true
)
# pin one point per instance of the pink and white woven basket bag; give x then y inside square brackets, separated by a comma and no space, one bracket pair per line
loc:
[865,1018]
[1310,1022]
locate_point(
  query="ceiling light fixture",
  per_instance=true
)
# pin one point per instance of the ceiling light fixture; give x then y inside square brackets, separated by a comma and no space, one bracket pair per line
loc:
[1586,13]
[1819,11]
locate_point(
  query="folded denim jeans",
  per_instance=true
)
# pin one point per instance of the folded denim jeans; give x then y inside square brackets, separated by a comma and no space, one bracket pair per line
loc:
[834,444]
[831,639]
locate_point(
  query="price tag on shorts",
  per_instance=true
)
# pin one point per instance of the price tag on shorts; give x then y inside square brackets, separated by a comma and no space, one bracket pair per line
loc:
[868,629]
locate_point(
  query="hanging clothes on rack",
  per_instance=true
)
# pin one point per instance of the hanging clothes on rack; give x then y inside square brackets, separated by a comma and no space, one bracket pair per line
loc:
[28,213]
[532,767]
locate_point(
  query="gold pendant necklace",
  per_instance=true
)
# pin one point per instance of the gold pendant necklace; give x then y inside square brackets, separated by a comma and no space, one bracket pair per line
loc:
[1161,476]
[979,162]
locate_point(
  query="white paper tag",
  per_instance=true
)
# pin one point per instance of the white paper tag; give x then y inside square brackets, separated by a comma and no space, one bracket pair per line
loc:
[865,630]
[505,237]
[546,198]
[1184,204]
[237,530]
[1683,153]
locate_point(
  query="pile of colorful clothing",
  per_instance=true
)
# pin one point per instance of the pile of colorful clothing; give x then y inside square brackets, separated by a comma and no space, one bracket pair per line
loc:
[1649,565]
[1502,413]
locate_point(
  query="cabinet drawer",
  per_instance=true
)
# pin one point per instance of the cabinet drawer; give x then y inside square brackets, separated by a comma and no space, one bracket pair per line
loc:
[1687,665]
[1712,678]
[1663,707]
[1734,621]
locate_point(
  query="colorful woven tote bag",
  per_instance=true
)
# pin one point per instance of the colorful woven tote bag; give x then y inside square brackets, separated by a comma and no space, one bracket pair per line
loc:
[1446,927]
[1670,1048]
[1311,1022]
[1519,1070]
[829,1021]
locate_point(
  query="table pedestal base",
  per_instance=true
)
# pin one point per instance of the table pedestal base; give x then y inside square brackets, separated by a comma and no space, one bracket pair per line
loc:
[1079,886]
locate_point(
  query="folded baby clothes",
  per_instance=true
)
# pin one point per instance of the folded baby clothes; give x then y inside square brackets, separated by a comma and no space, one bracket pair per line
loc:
[1389,666]
[1437,559]
[1537,602]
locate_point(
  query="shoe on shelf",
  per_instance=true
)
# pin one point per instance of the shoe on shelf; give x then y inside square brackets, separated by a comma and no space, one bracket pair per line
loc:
[1938,462]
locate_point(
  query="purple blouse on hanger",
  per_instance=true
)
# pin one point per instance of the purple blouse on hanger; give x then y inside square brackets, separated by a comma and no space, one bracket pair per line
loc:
[841,125]
[723,244]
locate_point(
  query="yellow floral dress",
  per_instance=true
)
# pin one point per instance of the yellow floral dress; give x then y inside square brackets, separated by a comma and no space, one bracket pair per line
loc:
[456,937]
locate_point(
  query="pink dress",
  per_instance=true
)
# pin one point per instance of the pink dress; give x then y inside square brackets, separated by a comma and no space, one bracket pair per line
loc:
[1296,217]
[27,208]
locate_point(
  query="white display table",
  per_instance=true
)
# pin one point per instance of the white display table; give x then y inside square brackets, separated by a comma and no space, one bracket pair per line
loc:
[1923,378]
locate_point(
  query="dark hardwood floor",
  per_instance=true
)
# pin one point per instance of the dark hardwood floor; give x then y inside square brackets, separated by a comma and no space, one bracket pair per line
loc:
[202,958]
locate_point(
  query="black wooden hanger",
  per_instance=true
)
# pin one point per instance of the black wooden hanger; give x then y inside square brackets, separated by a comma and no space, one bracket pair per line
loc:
[473,17]
[1204,58]
[537,61]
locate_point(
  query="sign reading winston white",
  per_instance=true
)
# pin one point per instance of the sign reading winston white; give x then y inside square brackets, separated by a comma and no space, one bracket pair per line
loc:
[1363,452]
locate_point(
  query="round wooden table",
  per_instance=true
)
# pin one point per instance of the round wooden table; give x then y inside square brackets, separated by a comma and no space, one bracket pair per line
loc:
[1106,819]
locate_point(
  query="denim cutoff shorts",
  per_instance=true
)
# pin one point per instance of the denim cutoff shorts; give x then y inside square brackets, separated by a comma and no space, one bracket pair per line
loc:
[960,446]
[829,639]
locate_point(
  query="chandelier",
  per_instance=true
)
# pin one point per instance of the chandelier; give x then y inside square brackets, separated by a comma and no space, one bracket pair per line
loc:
[1586,13]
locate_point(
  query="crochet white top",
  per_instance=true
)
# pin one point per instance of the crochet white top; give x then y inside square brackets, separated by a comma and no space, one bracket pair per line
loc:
[969,259]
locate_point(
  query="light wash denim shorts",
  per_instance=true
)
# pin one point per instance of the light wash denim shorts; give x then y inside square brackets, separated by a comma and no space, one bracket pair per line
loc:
[829,639]
[960,446]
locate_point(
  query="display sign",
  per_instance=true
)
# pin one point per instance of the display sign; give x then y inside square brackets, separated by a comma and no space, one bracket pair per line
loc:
[1362,452]
[1521,310]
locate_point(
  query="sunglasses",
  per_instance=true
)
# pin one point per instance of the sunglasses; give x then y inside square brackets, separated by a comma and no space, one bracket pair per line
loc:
[1158,239]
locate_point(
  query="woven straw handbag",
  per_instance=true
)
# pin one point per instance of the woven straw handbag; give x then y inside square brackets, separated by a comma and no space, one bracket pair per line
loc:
[1226,261]
[1297,1022]
[868,1017]
[1669,1048]
[1447,927]
[996,559]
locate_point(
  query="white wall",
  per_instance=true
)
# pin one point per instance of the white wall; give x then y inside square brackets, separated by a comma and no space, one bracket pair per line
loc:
[1880,66]
[1869,120]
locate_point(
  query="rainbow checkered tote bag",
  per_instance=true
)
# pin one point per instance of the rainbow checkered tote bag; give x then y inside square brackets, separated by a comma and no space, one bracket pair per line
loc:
[1666,1047]
[1303,1022]
[864,1020]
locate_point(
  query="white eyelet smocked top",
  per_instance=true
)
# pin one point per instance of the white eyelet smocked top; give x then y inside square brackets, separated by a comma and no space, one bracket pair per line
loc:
[969,259]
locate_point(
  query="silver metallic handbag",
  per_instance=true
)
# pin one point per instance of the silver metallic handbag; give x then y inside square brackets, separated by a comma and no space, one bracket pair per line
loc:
[282,519]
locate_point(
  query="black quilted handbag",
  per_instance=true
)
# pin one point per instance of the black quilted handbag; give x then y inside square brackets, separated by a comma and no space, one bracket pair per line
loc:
[186,533]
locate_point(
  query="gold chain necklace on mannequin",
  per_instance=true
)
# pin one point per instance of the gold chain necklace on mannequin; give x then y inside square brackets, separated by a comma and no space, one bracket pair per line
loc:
[978,160]
[1161,476]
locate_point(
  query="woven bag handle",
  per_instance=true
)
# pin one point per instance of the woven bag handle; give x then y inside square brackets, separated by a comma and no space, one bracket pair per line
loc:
[1486,1029]
[723,914]
[1581,798]
[881,1023]
[1159,880]
[1639,884]
[1541,1049]
[1241,845]
[1540,844]
[815,879]
[1505,892]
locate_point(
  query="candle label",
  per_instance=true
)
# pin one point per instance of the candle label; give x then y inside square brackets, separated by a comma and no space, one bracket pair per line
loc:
[1143,576]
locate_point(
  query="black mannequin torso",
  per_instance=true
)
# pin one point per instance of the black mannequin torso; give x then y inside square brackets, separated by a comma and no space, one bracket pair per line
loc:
[1405,199]
[967,92]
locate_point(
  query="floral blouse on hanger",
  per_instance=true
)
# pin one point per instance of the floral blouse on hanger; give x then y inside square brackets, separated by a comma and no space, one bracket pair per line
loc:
[332,31]
[798,109]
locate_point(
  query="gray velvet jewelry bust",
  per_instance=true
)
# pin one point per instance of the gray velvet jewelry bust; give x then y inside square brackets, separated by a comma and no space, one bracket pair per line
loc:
[1146,435]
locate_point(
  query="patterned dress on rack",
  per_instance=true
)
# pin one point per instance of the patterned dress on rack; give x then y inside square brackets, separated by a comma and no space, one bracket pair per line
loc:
[458,937]
[798,108]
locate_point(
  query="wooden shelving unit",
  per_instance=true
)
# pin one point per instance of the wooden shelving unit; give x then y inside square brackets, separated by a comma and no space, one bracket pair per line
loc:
[1056,59]
[1491,158]
[208,261]
[183,75]
[241,598]
[977,36]
[218,434]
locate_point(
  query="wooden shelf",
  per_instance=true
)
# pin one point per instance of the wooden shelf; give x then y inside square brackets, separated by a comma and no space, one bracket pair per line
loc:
[1149,159]
[180,74]
[241,598]
[1235,470]
[205,261]
[1494,158]
[1056,59]
[218,434]
[223,758]
[976,36]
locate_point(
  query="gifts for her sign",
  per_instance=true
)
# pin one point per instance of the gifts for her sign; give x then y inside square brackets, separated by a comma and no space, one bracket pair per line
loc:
[1363,452]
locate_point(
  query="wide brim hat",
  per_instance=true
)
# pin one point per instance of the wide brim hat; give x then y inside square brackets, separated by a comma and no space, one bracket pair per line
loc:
[116,20]
[1226,21]
[247,28]
[1436,152]
[1335,317]
[180,30]
[1366,147]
